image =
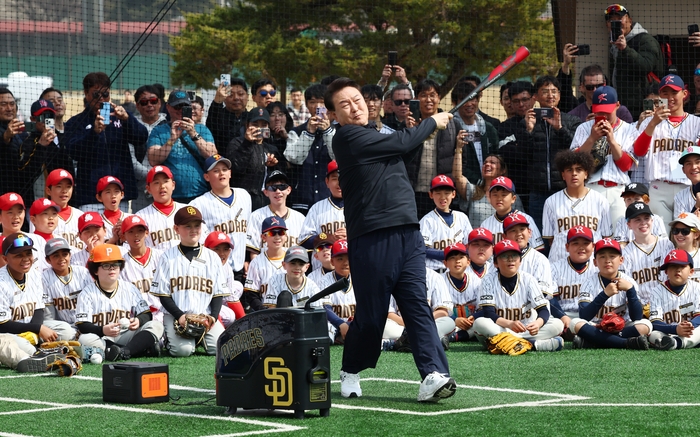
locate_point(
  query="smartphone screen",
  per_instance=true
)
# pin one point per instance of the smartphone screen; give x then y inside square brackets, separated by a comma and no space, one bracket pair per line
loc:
[104,112]
[693,28]
[393,58]
[414,107]
[583,50]
[226,79]
[599,119]
[187,111]
[615,30]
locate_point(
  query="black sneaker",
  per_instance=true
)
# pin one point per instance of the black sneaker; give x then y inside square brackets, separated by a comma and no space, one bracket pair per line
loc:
[153,351]
[445,343]
[39,361]
[578,343]
[116,353]
[638,343]
[403,344]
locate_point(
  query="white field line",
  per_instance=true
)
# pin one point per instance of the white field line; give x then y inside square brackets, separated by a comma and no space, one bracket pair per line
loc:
[38,410]
[7,434]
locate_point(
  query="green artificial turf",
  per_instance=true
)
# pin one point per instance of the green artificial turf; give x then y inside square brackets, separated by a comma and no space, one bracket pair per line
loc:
[568,393]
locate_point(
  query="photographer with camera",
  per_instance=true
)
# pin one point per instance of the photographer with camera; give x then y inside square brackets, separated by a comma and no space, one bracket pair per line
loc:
[182,146]
[253,156]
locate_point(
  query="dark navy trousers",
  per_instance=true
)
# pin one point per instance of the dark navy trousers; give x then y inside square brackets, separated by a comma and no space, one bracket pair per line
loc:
[387,262]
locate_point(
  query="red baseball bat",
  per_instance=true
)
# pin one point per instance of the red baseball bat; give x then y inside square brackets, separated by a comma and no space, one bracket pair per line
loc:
[496,74]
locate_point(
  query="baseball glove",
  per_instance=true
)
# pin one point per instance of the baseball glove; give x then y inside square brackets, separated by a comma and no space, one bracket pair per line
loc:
[196,325]
[506,343]
[599,151]
[68,366]
[30,337]
[612,323]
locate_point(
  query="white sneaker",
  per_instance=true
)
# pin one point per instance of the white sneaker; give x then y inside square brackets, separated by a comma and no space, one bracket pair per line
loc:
[350,385]
[436,386]
[553,344]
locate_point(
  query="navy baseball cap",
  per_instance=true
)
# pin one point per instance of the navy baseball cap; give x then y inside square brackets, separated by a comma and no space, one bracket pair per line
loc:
[276,175]
[605,100]
[214,159]
[636,209]
[678,257]
[258,114]
[273,222]
[672,81]
[178,97]
[41,106]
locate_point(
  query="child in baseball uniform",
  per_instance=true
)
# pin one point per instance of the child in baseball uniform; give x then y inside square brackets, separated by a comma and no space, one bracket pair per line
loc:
[294,280]
[91,231]
[341,309]
[277,189]
[269,263]
[112,314]
[59,188]
[22,295]
[503,199]
[609,291]
[575,205]
[231,310]
[685,234]
[570,273]
[512,301]
[323,243]
[62,282]
[516,228]
[675,305]
[12,214]
[226,209]
[442,226]
[687,200]
[141,261]
[110,192]
[190,280]
[43,214]
[664,136]
[632,193]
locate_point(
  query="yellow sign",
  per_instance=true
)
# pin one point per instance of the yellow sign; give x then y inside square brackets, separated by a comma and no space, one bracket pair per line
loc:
[280,377]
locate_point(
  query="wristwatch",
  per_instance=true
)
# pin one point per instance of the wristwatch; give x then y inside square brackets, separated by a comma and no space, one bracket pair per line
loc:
[196,138]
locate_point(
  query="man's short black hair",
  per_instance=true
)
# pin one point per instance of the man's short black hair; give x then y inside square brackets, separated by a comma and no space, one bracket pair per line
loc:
[295,90]
[334,87]
[50,90]
[399,87]
[316,91]
[504,87]
[240,82]
[261,83]
[591,70]
[568,158]
[329,79]
[96,78]
[4,90]
[470,78]
[427,84]
[518,87]
[145,89]
[372,92]
[461,90]
[160,91]
[547,80]
[652,89]
[200,100]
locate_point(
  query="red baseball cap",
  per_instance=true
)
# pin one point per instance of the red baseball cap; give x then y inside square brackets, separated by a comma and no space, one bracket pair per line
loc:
[132,221]
[57,176]
[41,205]
[480,234]
[514,219]
[504,246]
[216,238]
[607,243]
[158,169]
[8,200]
[579,232]
[332,166]
[441,181]
[340,247]
[89,219]
[457,247]
[502,182]
[677,257]
[104,181]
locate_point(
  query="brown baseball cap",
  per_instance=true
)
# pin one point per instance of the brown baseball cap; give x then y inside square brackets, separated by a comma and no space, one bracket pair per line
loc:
[187,214]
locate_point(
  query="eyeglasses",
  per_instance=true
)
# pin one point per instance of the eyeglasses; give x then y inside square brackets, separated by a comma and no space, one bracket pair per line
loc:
[547,92]
[264,93]
[520,101]
[276,187]
[275,232]
[110,266]
[402,102]
[510,257]
[98,94]
[682,231]
[20,241]
[10,104]
[594,87]
[153,101]
[323,247]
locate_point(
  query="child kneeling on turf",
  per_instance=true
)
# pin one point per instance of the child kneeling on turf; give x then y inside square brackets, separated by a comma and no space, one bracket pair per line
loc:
[512,301]
[295,264]
[675,305]
[610,291]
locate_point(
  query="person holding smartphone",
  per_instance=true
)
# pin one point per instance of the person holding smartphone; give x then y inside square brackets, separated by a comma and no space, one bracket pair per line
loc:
[182,146]
[634,53]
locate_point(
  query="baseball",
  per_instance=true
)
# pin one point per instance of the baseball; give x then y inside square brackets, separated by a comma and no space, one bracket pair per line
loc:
[95,358]
[124,323]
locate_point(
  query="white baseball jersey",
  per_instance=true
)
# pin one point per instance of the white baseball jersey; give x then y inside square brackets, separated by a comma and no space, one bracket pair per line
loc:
[617,303]
[68,229]
[141,274]
[18,303]
[643,265]
[98,308]
[109,226]
[520,305]
[671,308]
[624,234]
[667,144]
[191,284]
[562,213]
[624,134]
[437,234]
[279,283]
[160,226]
[343,303]
[324,217]
[695,274]
[536,264]
[495,225]
[81,258]
[568,282]
[40,262]
[464,299]
[317,274]
[232,220]
[62,292]
[260,270]
[684,201]
[235,287]
[294,221]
